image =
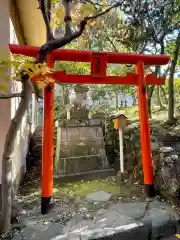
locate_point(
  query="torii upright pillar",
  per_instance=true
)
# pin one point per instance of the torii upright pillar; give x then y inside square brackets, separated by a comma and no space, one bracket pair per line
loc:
[48,145]
[145,131]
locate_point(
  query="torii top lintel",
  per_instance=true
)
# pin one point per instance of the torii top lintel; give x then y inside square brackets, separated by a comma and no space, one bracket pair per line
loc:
[86,56]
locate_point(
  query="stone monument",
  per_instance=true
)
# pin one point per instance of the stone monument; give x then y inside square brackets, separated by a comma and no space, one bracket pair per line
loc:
[80,148]
[79,111]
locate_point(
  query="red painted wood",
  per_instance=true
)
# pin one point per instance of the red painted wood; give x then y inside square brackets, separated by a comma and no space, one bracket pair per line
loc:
[48,138]
[130,79]
[87,79]
[86,56]
[152,78]
[144,126]
[98,64]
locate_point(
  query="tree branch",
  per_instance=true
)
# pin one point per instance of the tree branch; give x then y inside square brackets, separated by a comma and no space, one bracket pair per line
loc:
[49,5]
[46,17]
[67,19]
[167,70]
[58,43]
[51,45]
[93,3]
[10,95]
[105,11]
[175,57]
[112,43]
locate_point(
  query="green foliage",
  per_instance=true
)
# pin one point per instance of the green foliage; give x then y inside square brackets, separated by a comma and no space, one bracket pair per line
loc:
[170,48]
[73,67]
[177,84]
[59,108]
[111,137]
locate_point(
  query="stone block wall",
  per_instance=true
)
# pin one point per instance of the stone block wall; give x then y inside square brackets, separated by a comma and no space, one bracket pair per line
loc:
[81,148]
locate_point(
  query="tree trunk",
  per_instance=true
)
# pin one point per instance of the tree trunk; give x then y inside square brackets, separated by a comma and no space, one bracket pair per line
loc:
[165,98]
[7,158]
[66,95]
[170,82]
[150,93]
[134,99]
[151,89]
[117,102]
[160,101]
[125,103]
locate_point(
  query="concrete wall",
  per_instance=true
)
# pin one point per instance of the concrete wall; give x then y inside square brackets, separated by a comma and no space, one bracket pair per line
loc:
[8,107]
[21,142]
[5,105]
[32,22]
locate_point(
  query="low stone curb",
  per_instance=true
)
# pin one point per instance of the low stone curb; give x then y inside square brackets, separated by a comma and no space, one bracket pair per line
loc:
[119,221]
[140,232]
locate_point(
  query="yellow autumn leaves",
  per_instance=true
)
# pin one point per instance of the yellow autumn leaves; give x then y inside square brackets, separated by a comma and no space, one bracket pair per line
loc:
[40,70]
[11,69]
[78,12]
[4,76]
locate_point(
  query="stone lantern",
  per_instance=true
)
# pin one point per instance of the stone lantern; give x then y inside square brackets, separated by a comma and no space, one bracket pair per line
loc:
[80,110]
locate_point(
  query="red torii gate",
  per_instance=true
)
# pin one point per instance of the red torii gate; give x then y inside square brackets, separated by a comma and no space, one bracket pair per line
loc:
[99,61]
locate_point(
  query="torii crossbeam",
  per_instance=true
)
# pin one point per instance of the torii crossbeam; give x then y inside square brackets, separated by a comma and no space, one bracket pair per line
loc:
[99,61]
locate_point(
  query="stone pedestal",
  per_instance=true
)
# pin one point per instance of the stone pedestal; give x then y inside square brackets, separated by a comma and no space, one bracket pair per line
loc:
[81,147]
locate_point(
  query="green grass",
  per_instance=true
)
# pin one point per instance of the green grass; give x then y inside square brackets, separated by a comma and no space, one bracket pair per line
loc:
[82,188]
[31,191]
[132,113]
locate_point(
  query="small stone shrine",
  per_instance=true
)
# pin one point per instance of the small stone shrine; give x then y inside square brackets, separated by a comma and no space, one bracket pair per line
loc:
[80,142]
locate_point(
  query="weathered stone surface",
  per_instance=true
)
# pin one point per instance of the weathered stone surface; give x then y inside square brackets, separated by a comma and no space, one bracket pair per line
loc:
[168,171]
[165,144]
[177,147]
[171,137]
[81,149]
[159,215]
[155,146]
[166,149]
[118,221]
[79,110]
[99,196]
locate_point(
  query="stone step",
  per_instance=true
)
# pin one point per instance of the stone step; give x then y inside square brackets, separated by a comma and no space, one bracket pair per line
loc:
[125,221]
[102,173]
